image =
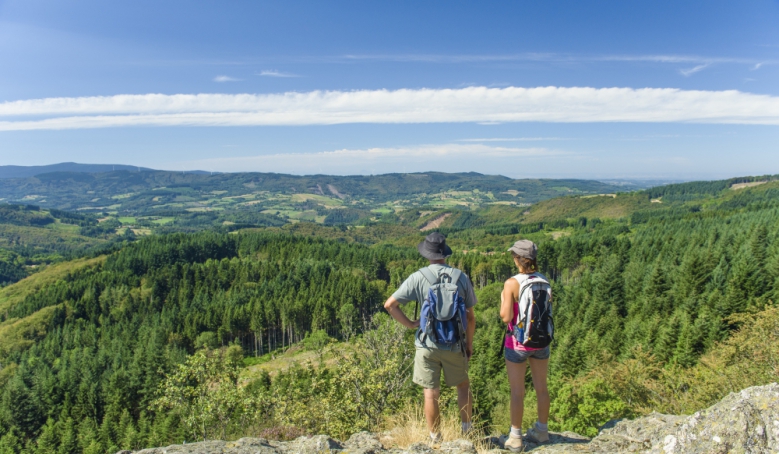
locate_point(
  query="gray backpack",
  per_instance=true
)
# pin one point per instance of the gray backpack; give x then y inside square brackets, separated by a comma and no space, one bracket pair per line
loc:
[534,325]
[443,317]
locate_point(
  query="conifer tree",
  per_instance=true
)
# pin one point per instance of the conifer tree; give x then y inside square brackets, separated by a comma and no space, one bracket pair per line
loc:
[48,439]
[69,441]
[20,410]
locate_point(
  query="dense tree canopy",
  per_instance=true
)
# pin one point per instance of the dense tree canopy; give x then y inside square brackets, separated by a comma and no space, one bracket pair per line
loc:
[90,352]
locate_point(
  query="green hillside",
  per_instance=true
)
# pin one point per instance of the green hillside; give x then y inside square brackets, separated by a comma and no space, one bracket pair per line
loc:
[161,201]
[31,238]
[564,215]
[648,296]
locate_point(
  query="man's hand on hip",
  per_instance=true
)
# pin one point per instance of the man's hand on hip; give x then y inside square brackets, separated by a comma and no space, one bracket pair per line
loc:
[393,307]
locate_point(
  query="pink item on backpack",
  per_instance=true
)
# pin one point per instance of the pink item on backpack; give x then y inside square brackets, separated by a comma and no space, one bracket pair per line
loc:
[510,341]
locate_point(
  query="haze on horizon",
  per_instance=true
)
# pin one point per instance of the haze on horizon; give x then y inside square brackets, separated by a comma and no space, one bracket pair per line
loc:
[652,90]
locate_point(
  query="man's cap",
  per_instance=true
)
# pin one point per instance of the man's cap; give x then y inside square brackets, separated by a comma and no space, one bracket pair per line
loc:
[434,247]
[525,248]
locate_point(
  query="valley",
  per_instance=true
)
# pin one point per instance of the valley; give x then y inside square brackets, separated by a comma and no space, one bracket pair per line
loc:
[653,291]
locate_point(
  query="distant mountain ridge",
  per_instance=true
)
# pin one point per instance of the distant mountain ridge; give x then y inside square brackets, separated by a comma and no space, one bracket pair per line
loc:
[31,171]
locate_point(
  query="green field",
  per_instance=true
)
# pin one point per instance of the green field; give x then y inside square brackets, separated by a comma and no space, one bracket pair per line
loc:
[64,227]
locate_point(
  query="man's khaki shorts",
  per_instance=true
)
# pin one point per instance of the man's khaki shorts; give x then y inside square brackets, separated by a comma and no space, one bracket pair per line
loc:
[428,363]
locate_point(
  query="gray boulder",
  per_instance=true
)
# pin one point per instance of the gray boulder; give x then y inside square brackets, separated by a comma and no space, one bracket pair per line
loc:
[242,446]
[743,422]
[416,448]
[310,445]
[747,421]
[457,447]
[363,443]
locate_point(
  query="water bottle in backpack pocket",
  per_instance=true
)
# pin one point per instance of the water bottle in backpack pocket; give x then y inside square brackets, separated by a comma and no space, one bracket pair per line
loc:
[442,319]
[534,325]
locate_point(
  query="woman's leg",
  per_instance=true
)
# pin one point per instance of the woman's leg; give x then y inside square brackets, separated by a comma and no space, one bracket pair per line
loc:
[538,370]
[516,373]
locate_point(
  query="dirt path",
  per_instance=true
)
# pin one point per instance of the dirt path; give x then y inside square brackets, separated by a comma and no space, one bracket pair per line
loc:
[435,223]
[747,185]
[335,191]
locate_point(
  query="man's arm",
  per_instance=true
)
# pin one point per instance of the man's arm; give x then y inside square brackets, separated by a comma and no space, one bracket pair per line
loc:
[393,307]
[471,316]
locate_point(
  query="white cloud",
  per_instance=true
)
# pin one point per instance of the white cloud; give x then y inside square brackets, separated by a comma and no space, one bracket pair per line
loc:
[550,57]
[441,157]
[510,139]
[693,70]
[758,65]
[274,73]
[225,79]
[471,104]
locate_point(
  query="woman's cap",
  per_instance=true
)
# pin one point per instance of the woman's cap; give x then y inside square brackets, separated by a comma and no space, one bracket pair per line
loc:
[525,248]
[434,247]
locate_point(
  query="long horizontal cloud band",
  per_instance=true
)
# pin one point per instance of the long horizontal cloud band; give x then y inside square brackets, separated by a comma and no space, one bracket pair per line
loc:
[473,104]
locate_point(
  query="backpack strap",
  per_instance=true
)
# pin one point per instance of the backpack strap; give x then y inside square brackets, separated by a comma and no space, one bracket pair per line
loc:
[526,282]
[455,275]
[431,277]
[523,285]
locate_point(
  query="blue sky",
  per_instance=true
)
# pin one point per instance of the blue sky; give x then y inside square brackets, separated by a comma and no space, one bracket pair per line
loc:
[661,89]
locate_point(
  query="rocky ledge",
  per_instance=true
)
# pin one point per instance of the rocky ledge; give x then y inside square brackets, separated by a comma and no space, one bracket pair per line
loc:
[359,443]
[743,422]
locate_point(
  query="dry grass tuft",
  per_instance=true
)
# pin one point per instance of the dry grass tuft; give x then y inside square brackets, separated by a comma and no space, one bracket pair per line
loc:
[408,426]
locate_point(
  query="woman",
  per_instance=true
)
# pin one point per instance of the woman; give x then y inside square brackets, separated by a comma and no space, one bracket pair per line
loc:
[518,355]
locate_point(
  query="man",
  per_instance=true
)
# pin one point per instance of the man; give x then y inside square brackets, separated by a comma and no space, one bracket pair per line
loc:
[430,357]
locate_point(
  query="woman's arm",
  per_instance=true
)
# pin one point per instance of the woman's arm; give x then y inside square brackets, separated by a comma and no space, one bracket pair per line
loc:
[507,298]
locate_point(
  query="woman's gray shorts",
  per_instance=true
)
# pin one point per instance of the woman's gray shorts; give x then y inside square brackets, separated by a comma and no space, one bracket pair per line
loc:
[519,356]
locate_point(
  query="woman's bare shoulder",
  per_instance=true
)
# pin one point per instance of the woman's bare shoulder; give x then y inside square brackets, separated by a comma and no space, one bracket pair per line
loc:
[510,283]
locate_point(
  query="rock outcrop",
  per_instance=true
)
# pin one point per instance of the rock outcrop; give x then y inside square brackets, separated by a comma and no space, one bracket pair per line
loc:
[743,422]
[359,443]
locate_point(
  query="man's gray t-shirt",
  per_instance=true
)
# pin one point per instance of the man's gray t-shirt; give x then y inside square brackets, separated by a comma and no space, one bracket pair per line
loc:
[415,289]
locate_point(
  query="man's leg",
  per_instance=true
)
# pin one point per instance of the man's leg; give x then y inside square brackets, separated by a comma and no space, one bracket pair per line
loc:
[432,412]
[465,401]
[455,366]
[427,374]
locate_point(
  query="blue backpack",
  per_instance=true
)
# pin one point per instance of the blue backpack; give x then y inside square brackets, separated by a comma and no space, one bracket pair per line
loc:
[443,312]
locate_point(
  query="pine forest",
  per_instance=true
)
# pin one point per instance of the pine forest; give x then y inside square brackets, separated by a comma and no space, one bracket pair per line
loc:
[664,301]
